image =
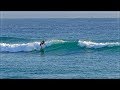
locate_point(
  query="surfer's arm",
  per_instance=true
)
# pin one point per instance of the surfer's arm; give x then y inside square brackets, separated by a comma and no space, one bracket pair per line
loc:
[40,44]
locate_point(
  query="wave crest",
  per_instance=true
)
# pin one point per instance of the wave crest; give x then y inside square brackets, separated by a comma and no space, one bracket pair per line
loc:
[61,44]
[89,44]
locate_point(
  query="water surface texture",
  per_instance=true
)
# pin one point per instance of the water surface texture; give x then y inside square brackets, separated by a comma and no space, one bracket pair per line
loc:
[75,48]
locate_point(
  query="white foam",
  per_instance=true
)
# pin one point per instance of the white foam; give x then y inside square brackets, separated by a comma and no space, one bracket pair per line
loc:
[90,44]
[19,47]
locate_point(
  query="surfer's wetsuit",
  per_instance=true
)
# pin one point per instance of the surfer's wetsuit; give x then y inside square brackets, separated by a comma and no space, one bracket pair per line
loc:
[42,44]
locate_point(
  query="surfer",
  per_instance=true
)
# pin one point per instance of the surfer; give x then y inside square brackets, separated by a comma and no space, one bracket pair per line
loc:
[42,44]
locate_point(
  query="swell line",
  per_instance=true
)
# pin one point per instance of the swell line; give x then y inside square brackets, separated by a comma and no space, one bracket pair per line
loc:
[54,45]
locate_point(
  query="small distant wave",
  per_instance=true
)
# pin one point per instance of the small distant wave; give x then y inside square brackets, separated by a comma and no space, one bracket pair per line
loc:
[13,39]
[90,44]
[55,45]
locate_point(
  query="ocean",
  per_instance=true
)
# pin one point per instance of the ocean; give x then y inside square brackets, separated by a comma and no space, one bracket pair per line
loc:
[75,48]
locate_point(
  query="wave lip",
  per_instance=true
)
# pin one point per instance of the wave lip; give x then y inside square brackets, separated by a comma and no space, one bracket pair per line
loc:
[51,42]
[89,44]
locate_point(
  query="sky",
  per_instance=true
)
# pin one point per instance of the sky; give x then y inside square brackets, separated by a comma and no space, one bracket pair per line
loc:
[59,14]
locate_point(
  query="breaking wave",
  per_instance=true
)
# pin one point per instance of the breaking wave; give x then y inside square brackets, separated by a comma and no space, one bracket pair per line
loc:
[89,44]
[4,47]
[54,44]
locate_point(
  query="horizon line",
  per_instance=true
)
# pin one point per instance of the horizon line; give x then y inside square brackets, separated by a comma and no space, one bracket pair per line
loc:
[58,17]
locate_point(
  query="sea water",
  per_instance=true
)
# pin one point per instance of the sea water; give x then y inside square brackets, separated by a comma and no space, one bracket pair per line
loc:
[75,48]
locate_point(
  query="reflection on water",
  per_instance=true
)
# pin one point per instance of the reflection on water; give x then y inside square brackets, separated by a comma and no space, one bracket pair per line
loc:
[42,52]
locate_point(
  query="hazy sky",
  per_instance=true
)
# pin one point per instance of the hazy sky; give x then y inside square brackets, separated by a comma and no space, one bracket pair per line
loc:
[59,14]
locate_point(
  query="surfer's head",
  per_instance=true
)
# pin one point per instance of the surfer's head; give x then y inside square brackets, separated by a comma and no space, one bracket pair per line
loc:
[43,42]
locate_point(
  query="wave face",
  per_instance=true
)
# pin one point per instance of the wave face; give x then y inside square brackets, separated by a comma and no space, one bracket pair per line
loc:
[56,45]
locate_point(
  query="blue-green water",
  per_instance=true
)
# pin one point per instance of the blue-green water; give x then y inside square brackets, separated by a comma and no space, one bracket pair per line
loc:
[74,48]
